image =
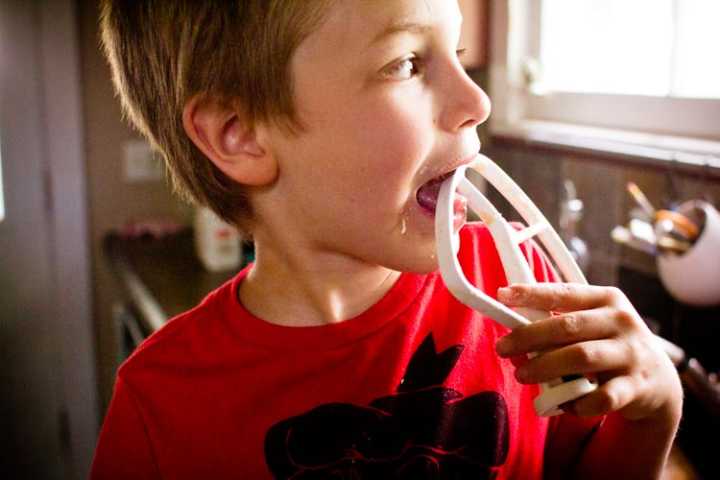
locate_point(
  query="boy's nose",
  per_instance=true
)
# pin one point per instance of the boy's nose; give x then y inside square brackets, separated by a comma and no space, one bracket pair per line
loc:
[467,105]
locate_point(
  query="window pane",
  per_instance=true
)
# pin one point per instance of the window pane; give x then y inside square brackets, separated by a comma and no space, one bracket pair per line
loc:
[698,49]
[607,46]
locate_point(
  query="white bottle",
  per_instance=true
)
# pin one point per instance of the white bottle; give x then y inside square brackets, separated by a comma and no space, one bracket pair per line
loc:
[217,243]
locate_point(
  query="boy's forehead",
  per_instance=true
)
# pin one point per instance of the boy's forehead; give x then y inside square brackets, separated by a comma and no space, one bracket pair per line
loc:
[363,23]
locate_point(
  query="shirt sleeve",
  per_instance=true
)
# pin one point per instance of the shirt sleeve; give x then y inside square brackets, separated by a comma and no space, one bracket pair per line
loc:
[123,450]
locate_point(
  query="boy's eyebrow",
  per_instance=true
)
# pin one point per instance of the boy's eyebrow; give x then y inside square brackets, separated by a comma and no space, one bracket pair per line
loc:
[400,27]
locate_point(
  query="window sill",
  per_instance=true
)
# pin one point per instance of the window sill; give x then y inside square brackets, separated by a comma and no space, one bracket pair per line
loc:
[695,157]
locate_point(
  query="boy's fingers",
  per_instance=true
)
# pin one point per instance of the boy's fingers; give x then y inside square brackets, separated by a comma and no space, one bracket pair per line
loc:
[582,358]
[561,297]
[613,395]
[559,331]
[519,360]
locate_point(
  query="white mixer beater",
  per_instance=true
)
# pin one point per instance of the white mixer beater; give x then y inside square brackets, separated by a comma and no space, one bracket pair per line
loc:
[517,270]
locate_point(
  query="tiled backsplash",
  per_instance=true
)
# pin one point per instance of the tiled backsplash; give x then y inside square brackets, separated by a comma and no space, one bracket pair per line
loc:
[602,188]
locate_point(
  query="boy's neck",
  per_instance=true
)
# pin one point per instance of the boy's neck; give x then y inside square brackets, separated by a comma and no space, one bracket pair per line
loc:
[299,289]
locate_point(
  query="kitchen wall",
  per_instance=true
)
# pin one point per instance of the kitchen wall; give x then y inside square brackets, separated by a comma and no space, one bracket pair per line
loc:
[601,185]
[112,201]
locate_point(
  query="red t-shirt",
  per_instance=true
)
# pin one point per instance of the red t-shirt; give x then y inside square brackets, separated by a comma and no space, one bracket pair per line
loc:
[411,388]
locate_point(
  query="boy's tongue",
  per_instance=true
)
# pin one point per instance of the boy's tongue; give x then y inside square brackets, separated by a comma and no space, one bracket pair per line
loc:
[427,196]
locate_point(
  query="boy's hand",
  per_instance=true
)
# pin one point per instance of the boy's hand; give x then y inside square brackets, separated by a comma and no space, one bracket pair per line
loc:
[598,333]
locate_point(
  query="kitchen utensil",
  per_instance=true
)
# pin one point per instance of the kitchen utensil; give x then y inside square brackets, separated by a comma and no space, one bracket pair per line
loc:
[571,211]
[641,199]
[670,240]
[643,231]
[624,236]
[507,240]
[681,222]
[672,245]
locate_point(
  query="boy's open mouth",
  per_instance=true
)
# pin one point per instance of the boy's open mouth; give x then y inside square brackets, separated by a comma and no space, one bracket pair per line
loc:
[427,196]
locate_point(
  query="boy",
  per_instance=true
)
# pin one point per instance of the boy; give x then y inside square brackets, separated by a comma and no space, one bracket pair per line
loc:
[322,127]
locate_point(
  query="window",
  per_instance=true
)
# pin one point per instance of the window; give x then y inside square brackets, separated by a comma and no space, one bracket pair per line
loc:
[644,65]
[634,47]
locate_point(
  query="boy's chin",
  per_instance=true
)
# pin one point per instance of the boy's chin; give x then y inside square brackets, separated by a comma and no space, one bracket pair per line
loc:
[419,262]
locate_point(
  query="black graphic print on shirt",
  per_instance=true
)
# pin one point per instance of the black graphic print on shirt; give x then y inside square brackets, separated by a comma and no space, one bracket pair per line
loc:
[424,431]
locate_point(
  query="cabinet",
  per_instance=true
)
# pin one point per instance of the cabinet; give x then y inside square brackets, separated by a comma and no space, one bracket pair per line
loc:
[474,36]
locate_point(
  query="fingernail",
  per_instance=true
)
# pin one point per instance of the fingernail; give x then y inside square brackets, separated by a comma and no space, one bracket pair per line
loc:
[506,294]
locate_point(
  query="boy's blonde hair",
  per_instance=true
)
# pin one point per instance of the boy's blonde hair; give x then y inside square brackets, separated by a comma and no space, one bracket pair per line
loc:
[236,52]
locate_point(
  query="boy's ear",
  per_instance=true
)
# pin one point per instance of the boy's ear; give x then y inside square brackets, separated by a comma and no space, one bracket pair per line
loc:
[229,141]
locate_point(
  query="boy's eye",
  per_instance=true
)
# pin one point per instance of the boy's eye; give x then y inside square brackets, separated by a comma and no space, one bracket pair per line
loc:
[409,67]
[404,69]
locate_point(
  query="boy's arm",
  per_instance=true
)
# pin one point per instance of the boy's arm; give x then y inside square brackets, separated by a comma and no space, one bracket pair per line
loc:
[624,448]
[123,449]
[608,447]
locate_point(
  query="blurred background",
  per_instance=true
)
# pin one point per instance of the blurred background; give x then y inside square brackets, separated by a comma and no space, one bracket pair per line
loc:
[607,112]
